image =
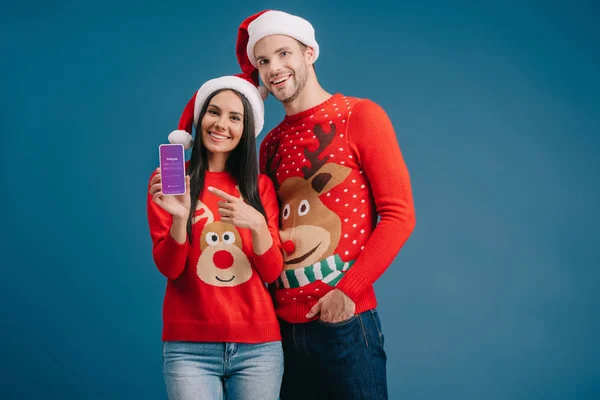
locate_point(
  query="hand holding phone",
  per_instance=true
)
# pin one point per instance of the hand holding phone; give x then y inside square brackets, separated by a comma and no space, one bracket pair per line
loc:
[177,205]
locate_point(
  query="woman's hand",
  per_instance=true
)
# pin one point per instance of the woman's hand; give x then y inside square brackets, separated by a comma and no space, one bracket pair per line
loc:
[176,205]
[235,211]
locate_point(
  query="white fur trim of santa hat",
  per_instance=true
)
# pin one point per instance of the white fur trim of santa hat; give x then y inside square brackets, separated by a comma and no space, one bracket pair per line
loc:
[280,23]
[241,85]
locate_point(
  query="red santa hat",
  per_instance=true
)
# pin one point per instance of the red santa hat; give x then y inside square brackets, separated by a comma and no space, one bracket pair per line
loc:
[243,83]
[270,22]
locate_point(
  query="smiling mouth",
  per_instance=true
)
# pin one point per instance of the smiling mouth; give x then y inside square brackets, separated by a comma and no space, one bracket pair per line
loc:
[217,137]
[225,280]
[280,81]
[303,257]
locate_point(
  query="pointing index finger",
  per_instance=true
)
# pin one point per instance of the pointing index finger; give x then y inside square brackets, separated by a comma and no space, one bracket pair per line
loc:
[221,194]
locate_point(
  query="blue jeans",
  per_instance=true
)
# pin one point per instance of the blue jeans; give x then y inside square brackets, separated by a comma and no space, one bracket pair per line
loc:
[344,360]
[215,371]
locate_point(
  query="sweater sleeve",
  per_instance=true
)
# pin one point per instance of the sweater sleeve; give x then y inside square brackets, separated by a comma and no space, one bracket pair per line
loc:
[372,138]
[270,264]
[169,255]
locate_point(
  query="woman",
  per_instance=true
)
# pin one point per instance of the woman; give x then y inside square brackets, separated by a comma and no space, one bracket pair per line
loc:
[218,245]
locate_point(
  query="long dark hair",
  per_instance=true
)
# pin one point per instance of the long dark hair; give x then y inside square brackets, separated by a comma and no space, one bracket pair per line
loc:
[242,163]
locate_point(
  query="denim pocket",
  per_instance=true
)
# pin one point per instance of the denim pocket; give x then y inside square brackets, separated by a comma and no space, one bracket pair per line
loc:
[377,323]
[339,323]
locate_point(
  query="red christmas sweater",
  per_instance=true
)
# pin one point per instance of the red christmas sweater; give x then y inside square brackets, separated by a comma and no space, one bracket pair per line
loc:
[337,167]
[216,288]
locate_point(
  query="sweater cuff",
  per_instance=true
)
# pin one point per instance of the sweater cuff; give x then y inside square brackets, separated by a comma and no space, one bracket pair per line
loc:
[352,284]
[269,264]
[174,248]
[269,257]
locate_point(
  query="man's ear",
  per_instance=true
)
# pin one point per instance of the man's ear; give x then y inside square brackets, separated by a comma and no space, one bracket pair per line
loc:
[309,53]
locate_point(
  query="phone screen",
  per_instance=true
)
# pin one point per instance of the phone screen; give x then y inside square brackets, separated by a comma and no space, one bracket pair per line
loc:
[172,168]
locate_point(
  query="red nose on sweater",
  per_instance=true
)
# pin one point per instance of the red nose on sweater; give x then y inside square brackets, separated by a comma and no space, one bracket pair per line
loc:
[289,246]
[223,259]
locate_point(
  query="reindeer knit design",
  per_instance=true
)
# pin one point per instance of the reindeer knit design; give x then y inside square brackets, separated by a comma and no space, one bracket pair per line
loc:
[336,168]
[215,287]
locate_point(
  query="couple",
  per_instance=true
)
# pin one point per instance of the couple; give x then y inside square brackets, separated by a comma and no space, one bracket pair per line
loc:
[270,275]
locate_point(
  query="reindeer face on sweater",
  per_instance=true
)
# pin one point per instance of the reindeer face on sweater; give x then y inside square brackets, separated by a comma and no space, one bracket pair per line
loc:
[222,261]
[310,231]
[306,222]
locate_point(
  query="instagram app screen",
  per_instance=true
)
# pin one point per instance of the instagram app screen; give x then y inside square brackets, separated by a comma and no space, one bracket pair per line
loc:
[172,169]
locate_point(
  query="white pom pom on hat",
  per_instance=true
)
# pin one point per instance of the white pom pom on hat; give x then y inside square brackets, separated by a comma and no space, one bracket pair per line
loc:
[181,137]
[264,93]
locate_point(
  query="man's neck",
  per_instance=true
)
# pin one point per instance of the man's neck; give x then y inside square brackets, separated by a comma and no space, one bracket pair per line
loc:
[312,95]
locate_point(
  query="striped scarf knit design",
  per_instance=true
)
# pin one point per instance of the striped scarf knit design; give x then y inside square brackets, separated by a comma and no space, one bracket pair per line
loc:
[329,270]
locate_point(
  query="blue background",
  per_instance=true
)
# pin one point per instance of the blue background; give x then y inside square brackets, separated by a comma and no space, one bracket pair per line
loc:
[496,108]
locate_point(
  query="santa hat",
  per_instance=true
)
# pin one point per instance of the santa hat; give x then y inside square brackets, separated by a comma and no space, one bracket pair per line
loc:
[243,83]
[270,22]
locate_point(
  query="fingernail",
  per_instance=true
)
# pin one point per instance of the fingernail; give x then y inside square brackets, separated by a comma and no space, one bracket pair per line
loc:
[210,188]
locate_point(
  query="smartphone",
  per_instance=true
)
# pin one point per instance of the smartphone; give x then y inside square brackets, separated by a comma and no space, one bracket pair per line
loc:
[172,168]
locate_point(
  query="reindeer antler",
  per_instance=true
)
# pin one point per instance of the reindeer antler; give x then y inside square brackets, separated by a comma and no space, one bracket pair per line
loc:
[325,140]
[198,215]
[271,170]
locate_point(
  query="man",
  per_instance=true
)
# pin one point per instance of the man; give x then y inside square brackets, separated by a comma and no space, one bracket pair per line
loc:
[337,166]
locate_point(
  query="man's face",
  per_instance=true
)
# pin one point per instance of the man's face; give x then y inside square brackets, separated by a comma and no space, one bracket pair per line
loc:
[283,66]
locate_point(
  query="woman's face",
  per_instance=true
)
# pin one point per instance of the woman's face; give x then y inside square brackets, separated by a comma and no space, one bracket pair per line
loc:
[223,123]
